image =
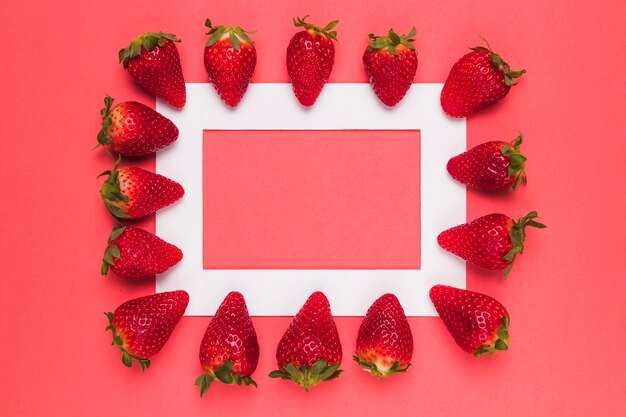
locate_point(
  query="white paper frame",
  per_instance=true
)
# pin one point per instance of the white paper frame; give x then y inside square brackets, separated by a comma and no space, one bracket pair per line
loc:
[280,292]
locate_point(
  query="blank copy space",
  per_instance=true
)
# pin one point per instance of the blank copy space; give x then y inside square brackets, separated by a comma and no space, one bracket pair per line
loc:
[311,199]
[276,212]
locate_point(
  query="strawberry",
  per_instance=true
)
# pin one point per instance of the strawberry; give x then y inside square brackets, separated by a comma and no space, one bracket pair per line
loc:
[384,345]
[478,323]
[229,59]
[492,241]
[153,63]
[134,129]
[478,80]
[310,59]
[491,166]
[142,326]
[390,64]
[310,351]
[229,351]
[135,253]
[132,193]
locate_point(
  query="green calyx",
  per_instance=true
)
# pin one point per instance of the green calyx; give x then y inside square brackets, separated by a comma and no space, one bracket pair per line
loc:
[225,375]
[516,161]
[127,358]
[148,40]
[111,193]
[392,41]
[499,64]
[325,31]
[501,342]
[373,369]
[106,122]
[518,235]
[306,376]
[236,35]
[112,252]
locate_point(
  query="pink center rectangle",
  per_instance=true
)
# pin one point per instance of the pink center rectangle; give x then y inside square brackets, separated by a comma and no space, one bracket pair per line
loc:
[311,199]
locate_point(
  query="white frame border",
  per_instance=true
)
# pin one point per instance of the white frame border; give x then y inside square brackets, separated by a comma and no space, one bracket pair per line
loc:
[340,107]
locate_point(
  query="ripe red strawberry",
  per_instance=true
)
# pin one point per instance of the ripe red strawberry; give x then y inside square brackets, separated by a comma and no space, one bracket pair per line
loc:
[491,166]
[310,59]
[478,80]
[492,241]
[229,59]
[478,323]
[390,64]
[142,326]
[134,129]
[135,253]
[310,351]
[229,351]
[384,345]
[153,63]
[132,193]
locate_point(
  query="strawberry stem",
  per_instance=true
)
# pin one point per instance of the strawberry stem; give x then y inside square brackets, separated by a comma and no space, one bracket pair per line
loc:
[204,383]
[500,343]
[392,41]
[127,357]
[325,31]
[516,161]
[306,376]
[103,135]
[500,65]
[111,192]
[518,235]
[112,252]
[148,41]
[236,34]
[225,375]
[372,368]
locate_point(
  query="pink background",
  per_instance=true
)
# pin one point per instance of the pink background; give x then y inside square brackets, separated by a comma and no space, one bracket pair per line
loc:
[311,200]
[565,295]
